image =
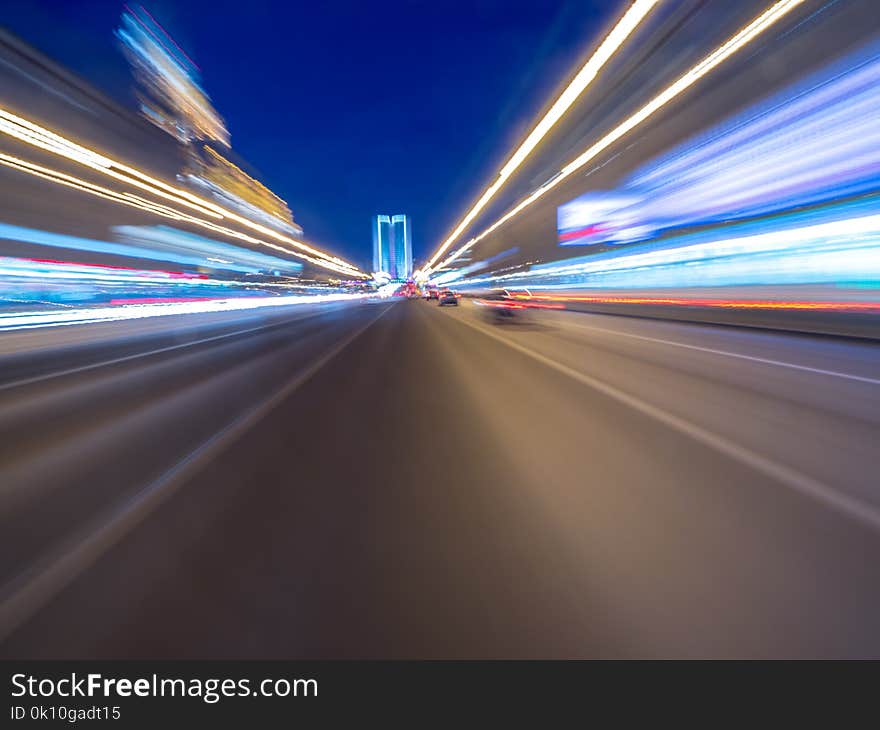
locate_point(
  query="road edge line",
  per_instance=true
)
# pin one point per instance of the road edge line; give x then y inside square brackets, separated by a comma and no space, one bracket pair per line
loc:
[792,478]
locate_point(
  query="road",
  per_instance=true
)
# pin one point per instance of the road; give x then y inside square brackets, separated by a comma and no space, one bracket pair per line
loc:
[397,480]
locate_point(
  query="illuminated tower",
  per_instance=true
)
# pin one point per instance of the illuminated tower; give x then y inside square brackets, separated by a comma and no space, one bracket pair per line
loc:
[382,244]
[392,245]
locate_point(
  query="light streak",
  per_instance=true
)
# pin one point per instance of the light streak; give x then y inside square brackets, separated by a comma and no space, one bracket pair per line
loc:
[847,306]
[813,142]
[61,178]
[833,246]
[137,202]
[50,270]
[588,72]
[143,311]
[740,39]
[38,136]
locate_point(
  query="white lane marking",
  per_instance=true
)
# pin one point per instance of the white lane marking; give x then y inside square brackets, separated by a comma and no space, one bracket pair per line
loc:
[766,361]
[792,478]
[27,593]
[149,353]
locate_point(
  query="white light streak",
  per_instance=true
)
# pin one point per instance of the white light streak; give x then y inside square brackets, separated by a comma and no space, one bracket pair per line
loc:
[624,28]
[764,21]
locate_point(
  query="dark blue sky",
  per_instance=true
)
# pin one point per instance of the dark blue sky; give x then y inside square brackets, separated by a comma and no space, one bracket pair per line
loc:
[348,108]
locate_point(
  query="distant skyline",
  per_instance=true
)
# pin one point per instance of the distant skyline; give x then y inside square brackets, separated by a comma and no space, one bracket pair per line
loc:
[334,123]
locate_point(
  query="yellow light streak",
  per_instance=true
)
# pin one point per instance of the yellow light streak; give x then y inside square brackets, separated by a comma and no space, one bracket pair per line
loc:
[588,72]
[85,186]
[135,201]
[744,36]
[38,136]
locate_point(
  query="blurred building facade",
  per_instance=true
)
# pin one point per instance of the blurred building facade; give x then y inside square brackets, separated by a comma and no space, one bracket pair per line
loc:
[171,96]
[392,245]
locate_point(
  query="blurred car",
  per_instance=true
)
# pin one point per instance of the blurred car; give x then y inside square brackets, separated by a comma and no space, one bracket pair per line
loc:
[447,296]
[431,294]
[500,306]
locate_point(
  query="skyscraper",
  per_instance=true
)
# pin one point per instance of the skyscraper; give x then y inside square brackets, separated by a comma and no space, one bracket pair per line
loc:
[392,245]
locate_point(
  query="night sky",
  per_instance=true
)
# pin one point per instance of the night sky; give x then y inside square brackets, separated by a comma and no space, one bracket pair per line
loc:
[351,108]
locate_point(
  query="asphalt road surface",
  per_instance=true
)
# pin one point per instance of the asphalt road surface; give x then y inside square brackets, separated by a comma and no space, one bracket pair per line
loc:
[400,480]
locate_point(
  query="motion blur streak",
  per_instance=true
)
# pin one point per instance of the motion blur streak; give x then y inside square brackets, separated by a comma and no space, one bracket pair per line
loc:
[725,303]
[624,28]
[783,196]
[166,308]
[812,143]
[763,22]
[170,73]
[61,178]
[524,302]
[38,136]
[45,139]
[845,250]
[41,268]
[137,202]
[856,508]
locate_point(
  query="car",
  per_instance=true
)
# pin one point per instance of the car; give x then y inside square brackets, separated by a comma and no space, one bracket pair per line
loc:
[500,306]
[431,294]
[447,296]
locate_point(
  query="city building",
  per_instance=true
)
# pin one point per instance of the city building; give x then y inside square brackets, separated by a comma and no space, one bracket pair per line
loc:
[392,245]
[171,96]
